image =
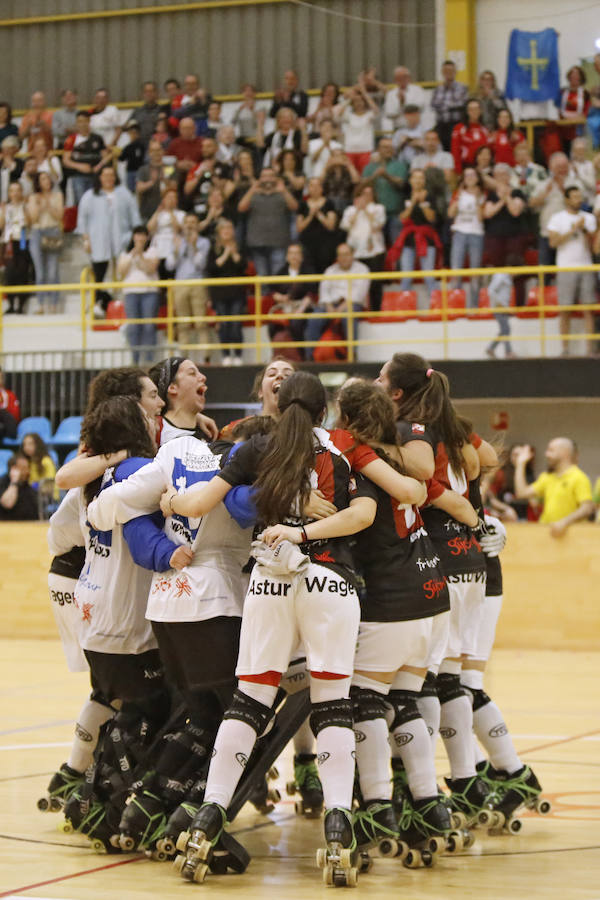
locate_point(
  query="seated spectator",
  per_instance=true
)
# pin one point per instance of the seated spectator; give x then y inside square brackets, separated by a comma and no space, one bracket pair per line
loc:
[215,211]
[227,148]
[466,210]
[14,225]
[408,140]
[339,180]
[163,132]
[64,118]
[358,114]
[564,490]
[7,126]
[226,261]
[403,94]
[484,163]
[363,223]
[41,465]
[418,236]
[316,225]
[293,298]
[527,175]
[468,136]
[491,98]
[387,176]
[18,500]
[151,181]
[503,484]
[248,117]
[145,116]
[187,148]
[505,220]
[505,138]
[208,173]
[164,226]
[287,136]
[268,203]
[133,155]
[500,291]
[325,111]
[209,126]
[574,103]
[37,122]
[11,168]
[320,149]
[45,209]
[28,176]
[140,264]
[10,410]
[46,161]
[583,170]
[188,261]
[549,198]
[84,156]
[105,119]
[335,296]
[290,96]
[448,103]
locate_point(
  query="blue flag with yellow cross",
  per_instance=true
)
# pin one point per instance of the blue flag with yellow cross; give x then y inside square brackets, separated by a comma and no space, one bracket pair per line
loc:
[532,73]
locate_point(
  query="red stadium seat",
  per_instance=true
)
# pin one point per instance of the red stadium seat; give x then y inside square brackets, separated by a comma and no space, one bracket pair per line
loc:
[394,301]
[483,304]
[531,256]
[115,310]
[162,314]
[456,303]
[550,299]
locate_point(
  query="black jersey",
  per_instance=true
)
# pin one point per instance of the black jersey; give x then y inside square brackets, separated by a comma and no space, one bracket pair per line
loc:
[493,584]
[331,476]
[69,564]
[455,543]
[399,564]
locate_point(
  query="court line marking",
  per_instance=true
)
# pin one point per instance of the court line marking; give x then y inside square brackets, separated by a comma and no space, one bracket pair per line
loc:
[27,840]
[43,725]
[566,740]
[31,887]
[35,747]
[33,775]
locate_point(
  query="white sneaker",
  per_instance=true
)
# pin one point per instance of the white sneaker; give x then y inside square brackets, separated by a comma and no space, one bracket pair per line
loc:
[226,361]
[99,312]
[237,361]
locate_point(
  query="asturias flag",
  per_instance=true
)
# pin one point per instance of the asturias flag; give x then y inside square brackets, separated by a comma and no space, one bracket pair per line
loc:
[532,71]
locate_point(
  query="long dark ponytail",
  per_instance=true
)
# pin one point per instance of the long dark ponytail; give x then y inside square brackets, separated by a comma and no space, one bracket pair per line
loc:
[426,399]
[284,471]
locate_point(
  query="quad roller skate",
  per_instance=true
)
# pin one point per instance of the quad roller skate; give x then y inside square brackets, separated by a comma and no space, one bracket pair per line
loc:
[432,820]
[308,784]
[376,826]
[62,784]
[338,859]
[207,846]
[399,785]
[97,820]
[468,798]
[263,798]
[180,820]
[142,823]
[521,789]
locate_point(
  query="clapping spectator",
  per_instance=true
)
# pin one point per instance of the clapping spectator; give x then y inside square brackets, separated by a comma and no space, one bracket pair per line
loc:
[133,155]
[188,261]
[408,140]
[83,157]
[583,170]
[403,94]
[215,210]
[448,103]
[203,176]
[227,148]
[549,198]
[105,119]
[248,117]
[37,121]
[268,203]
[140,264]
[505,216]
[316,224]
[339,180]
[14,224]
[10,167]
[186,148]
[321,148]
[363,223]
[45,209]
[288,166]
[503,484]
[574,102]
[164,226]
[290,96]
[293,297]
[418,236]
[28,177]
[505,138]
[244,176]
[64,118]
[46,161]
[527,175]
[484,163]
[285,137]
[466,210]
[163,132]
[468,136]
[387,175]
[151,181]
[491,98]
[358,118]
[226,261]
[326,109]
[7,126]
[18,500]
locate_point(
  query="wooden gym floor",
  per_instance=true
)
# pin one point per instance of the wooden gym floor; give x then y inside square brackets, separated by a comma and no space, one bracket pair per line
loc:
[550,702]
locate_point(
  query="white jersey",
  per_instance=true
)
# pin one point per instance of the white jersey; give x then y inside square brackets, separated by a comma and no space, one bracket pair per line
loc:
[169,432]
[112,591]
[213,584]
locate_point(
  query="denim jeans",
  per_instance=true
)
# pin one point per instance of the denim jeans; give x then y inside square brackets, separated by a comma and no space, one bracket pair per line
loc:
[45,263]
[80,184]
[427,262]
[143,334]
[231,332]
[316,327]
[267,261]
[461,244]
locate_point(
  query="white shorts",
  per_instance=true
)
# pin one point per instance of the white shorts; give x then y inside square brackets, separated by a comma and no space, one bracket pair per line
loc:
[317,607]
[438,647]
[67,620]
[466,608]
[487,627]
[387,646]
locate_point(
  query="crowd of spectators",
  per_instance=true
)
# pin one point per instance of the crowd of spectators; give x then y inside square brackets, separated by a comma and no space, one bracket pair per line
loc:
[180,190]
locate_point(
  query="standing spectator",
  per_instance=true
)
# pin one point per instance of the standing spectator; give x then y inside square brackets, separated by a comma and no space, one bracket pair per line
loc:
[570,233]
[41,466]
[84,156]
[500,291]
[37,121]
[18,500]
[45,208]
[316,224]
[107,216]
[248,116]
[244,176]
[46,161]
[268,203]
[404,94]
[163,132]
[418,236]
[195,105]
[172,89]
[363,223]
[133,155]
[140,264]
[387,176]
[468,136]
[147,114]
[593,117]
[188,260]
[7,126]
[321,148]
[105,119]
[209,127]
[466,209]
[583,169]
[527,175]
[491,98]
[505,138]
[505,215]
[151,181]
[64,119]
[14,223]
[339,180]
[290,96]
[208,173]
[448,103]
[326,109]
[288,167]
[435,157]
[574,102]
[484,163]
[334,296]
[374,88]
[549,198]
[293,297]
[358,117]
[564,490]
[408,140]
[27,176]
[11,168]
[9,402]
[502,486]
[226,261]
[227,148]
[186,148]
[285,137]
[191,86]
[215,210]
[164,226]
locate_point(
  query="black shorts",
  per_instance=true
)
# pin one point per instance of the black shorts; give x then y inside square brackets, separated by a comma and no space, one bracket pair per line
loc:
[125,676]
[199,654]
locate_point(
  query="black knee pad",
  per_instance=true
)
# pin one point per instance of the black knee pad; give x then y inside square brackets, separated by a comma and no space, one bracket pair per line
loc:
[404,705]
[478,697]
[252,712]
[449,687]
[331,713]
[367,705]
[429,686]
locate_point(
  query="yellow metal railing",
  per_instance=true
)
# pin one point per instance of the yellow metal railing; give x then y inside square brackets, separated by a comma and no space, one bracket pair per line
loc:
[446,313]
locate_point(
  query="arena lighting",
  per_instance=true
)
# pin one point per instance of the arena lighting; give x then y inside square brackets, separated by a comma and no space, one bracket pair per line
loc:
[597,43]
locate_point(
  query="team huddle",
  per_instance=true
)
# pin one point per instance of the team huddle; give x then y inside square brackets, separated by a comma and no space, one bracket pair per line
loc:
[281,581]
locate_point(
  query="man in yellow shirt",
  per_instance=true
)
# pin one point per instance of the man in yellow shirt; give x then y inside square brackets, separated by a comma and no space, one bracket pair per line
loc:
[564,490]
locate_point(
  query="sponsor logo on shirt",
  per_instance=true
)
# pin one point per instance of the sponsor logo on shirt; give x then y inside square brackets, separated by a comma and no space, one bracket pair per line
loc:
[206,463]
[332,585]
[415,535]
[433,587]
[417,429]
[467,577]
[427,563]
[461,545]
[324,557]
[266,587]
[61,597]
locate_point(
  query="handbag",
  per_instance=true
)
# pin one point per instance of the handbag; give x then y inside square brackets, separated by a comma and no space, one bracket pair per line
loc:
[52,243]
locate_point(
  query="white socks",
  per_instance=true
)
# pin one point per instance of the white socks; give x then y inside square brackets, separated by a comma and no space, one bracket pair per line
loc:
[412,744]
[335,756]
[233,746]
[456,726]
[429,707]
[373,759]
[489,727]
[304,739]
[91,716]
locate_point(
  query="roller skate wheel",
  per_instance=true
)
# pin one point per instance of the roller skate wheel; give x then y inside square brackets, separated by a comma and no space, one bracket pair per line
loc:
[182,841]
[159,856]
[299,807]
[412,860]
[352,877]
[427,858]
[321,858]
[365,863]
[486,817]
[166,845]
[273,773]
[126,843]
[514,826]
[438,844]
[55,804]
[43,804]
[115,840]
[200,873]
[455,841]
[98,846]
[273,795]
[328,875]
[345,859]
[458,819]
[468,839]
[290,788]
[66,827]
[543,807]
[388,847]
[179,862]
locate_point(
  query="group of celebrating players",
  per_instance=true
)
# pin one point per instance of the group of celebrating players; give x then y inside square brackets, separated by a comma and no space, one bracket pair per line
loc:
[281,580]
